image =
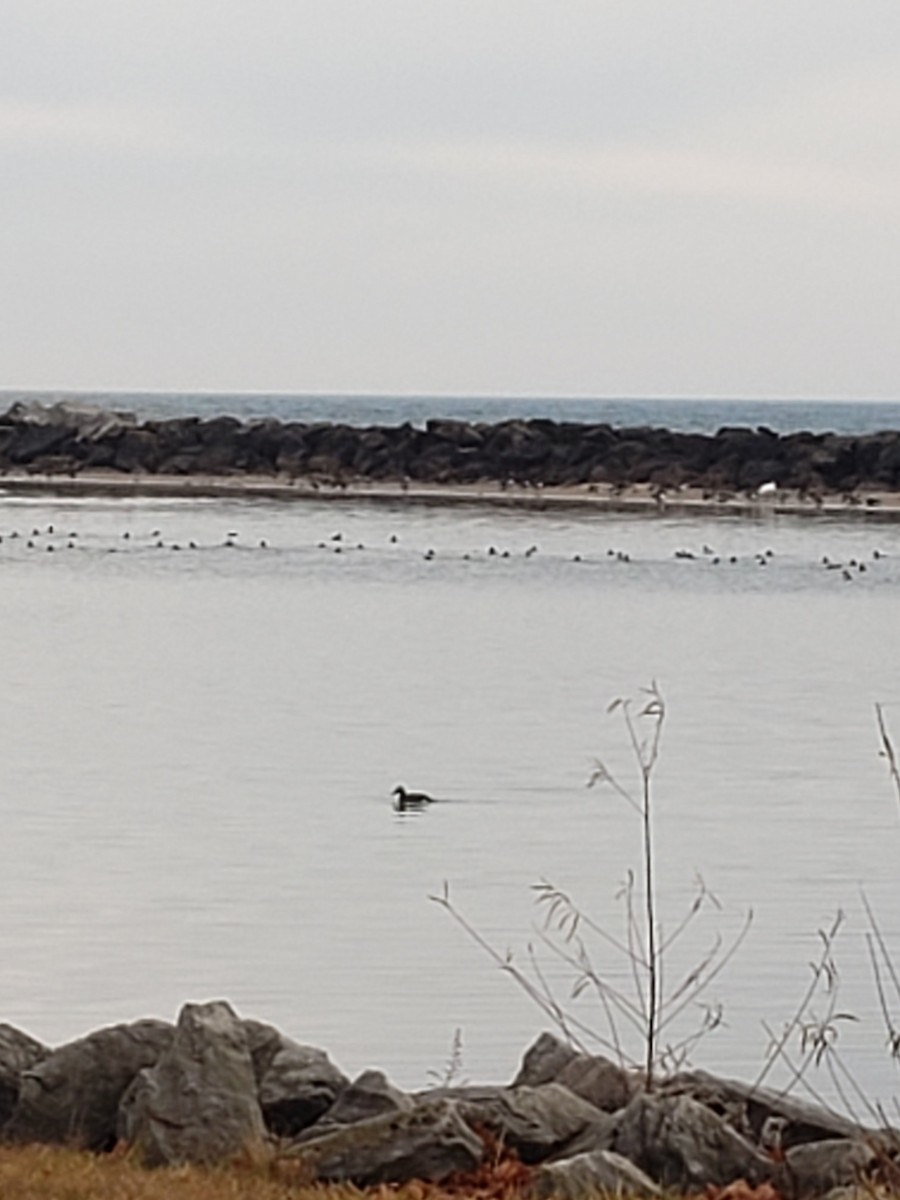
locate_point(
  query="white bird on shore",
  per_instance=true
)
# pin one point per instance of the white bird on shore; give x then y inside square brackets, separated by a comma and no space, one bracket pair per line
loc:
[767,489]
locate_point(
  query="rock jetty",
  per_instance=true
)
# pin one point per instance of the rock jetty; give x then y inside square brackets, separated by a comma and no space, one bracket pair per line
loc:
[214,1086]
[66,440]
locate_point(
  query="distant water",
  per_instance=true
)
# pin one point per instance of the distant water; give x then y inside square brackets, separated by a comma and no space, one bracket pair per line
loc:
[697,416]
[200,745]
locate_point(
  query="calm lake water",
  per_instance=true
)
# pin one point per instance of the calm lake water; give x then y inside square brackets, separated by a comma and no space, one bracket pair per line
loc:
[200,747]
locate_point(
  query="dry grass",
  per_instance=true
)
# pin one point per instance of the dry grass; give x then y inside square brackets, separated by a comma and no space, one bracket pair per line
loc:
[55,1173]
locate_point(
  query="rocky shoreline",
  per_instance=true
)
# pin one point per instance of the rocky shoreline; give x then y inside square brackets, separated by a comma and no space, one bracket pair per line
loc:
[62,447]
[214,1086]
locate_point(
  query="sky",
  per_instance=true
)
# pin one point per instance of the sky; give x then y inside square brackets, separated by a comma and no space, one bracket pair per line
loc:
[470,197]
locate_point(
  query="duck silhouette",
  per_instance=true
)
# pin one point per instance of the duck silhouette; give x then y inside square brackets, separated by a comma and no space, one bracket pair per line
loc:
[409,801]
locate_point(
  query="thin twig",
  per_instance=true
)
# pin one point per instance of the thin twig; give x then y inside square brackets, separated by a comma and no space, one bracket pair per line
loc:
[585,969]
[887,749]
[720,966]
[882,946]
[819,968]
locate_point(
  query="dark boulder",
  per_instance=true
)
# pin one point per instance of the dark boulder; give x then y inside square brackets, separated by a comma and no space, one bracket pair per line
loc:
[680,1143]
[819,1167]
[73,1095]
[136,450]
[429,1143]
[296,1084]
[198,1103]
[543,1061]
[754,1110]
[539,1123]
[589,1175]
[591,1076]
[458,433]
[26,442]
[369,1095]
[18,1053]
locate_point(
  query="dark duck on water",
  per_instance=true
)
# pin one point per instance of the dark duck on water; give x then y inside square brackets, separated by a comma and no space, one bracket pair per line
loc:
[409,801]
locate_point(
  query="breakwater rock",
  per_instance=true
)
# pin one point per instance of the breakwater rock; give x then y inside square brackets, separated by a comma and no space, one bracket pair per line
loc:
[62,439]
[213,1086]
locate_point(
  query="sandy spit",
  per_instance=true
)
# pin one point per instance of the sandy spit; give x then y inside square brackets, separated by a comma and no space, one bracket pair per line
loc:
[870,505]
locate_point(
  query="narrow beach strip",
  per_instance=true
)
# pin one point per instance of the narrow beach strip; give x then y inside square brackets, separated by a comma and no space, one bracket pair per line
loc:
[634,498]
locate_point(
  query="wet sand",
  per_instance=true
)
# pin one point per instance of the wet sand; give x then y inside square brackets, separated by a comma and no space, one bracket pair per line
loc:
[639,498]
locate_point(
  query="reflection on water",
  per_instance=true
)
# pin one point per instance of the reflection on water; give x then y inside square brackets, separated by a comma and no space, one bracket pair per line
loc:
[200,747]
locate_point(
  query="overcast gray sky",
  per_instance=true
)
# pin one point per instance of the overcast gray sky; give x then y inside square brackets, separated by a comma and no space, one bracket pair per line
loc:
[567,197]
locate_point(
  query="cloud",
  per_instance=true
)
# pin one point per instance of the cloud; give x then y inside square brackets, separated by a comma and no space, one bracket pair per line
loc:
[655,171]
[511,194]
[825,145]
[74,127]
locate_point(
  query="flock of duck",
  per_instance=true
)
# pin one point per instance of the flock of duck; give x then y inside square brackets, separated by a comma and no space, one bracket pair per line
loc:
[50,538]
[337,544]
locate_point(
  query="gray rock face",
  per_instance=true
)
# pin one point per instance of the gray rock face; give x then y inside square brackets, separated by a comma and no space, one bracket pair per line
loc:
[681,1143]
[198,1103]
[752,1109]
[296,1084]
[586,1176]
[429,1143]
[543,1061]
[369,1095]
[538,1122]
[591,1076]
[73,1095]
[819,1167]
[18,1053]
[86,421]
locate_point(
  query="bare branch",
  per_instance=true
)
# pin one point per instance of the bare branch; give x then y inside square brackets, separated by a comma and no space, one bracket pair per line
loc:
[887,749]
[822,969]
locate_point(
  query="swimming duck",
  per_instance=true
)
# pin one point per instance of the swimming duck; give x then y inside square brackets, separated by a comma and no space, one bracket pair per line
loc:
[406,801]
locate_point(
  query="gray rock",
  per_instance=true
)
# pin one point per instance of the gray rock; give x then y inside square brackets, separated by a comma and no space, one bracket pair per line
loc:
[543,1061]
[73,1095]
[18,1053]
[296,1084]
[369,1095]
[680,1143]
[586,1176]
[198,1103]
[591,1076]
[819,1167]
[538,1122]
[430,1142]
[599,1081]
[86,421]
[751,1110]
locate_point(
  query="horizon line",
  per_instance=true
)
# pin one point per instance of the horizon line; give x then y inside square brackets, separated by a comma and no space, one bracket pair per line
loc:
[558,397]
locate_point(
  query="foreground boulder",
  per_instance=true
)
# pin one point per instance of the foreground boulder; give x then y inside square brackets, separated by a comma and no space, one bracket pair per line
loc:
[819,1167]
[198,1103]
[369,1095]
[590,1076]
[431,1142]
[588,1175]
[762,1114]
[680,1143]
[73,1095]
[536,1122]
[18,1053]
[296,1084]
